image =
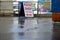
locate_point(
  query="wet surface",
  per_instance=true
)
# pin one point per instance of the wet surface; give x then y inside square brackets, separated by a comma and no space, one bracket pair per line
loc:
[13,28]
[56,31]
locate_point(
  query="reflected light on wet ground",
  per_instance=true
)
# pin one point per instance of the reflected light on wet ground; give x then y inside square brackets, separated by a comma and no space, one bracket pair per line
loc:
[13,28]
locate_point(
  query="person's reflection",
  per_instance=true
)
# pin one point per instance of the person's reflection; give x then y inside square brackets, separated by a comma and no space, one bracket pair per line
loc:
[21,35]
[21,22]
[56,31]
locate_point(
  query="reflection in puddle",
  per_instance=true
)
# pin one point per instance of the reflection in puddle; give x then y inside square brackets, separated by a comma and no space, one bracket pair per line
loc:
[21,26]
[21,21]
[28,24]
[37,29]
[21,35]
[56,31]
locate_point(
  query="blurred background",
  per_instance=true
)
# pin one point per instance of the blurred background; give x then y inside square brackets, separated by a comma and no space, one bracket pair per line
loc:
[11,7]
[39,27]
